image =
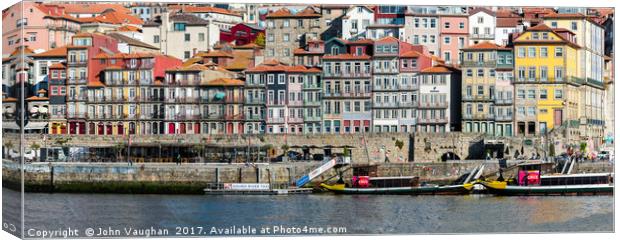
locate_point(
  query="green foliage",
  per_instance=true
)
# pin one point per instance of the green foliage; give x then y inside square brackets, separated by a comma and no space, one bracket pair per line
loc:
[582,147]
[346,152]
[260,39]
[399,144]
[551,150]
[285,147]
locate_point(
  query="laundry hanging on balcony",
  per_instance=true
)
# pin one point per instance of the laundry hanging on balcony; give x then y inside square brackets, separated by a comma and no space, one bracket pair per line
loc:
[219,95]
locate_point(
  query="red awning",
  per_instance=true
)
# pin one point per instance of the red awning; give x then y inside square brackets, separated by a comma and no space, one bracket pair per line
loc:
[367,123]
[347,123]
[356,123]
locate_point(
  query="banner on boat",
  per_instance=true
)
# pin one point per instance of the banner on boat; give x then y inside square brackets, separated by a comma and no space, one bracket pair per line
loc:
[246,186]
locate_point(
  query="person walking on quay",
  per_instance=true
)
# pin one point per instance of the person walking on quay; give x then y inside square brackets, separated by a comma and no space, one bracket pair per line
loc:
[178,159]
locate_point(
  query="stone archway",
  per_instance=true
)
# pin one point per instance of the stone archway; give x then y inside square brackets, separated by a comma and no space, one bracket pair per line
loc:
[449,156]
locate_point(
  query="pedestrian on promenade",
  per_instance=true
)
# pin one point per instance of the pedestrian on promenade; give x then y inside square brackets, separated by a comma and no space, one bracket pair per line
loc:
[178,159]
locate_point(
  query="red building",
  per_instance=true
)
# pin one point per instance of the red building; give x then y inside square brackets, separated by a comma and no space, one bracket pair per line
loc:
[241,34]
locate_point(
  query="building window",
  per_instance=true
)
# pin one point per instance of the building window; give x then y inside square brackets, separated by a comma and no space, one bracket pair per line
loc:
[558,94]
[480,19]
[573,26]
[462,25]
[543,94]
[201,37]
[179,27]
[559,52]
[187,37]
[543,52]
[531,52]
[446,40]
[521,52]
[480,73]
[187,54]
[286,37]
[469,73]
[43,68]
[155,38]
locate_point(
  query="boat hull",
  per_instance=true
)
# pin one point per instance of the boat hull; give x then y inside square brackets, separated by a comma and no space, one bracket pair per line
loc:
[422,190]
[498,188]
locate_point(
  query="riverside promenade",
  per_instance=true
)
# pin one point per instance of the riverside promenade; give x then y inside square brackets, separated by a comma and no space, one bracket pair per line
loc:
[191,178]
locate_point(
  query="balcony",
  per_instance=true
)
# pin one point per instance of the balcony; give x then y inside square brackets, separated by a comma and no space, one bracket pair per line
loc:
[421,120]
[311,87]
[479,116]
[312,119]
[254,117]
[477,98]
[238,116]
[357,94]
[77,62]
[77,115]
[80,97]
[433,105]
[275,120]
[254,101]
[569,80]
[481,36]
[78,80]
[408,104]
[312,103]
[503,101]
[361,74]
[385,88]
[485,64]
[385,104]
[408,87]
[503,118]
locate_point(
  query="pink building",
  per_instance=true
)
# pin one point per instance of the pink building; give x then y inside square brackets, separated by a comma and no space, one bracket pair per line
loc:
[453,36]
[45,27]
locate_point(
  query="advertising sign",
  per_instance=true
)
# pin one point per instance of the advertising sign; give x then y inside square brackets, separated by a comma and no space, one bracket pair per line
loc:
[246,186]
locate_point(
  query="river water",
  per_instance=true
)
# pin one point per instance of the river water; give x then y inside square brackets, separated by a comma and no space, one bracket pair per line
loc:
[357,214]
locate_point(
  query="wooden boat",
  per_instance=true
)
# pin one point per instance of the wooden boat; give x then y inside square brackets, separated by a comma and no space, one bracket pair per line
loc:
[531,182]
[364,181]
[430,189]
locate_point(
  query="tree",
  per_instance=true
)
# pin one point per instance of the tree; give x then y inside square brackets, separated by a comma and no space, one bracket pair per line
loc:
[399,144]
[35,147]
[582,147]
[118,147]
[199,148]
[285,148]
[260,39]
[551,150]
[8,145]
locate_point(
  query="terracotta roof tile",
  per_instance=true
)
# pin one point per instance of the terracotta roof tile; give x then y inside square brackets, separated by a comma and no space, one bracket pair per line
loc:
[37,98]
[507,22]
[286,13]
[412,53]
[216,53]
[129,28]
[95,83]
[86,8]
[113,17]
[55,52]
[346,57]
[225,82]
[9,99]
[439,69]
[485,45]
[206,9]
[387,39]
[57,66]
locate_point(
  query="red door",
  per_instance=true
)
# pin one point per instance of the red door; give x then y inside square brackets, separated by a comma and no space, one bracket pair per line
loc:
[229,128]
[197,128]
[119,129]
[100,129]
[82,128]
[171,128]
[557,117]
[182,128]
[108,130]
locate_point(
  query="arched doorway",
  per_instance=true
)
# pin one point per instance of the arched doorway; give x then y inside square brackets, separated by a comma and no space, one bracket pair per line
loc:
[450,156]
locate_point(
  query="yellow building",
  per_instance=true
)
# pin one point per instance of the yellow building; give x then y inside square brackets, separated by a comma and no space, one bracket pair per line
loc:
[590,36]
[546,83]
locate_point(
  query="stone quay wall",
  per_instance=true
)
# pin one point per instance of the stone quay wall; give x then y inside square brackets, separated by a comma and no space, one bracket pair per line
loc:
[193,178]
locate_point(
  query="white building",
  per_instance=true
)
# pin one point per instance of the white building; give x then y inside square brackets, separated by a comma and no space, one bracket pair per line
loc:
[222,18]
[355,22]
[481,26]
[181,35]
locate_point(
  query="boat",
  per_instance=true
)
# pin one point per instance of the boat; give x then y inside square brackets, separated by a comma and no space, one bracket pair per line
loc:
[363,182]
[429,189]
[530,181]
